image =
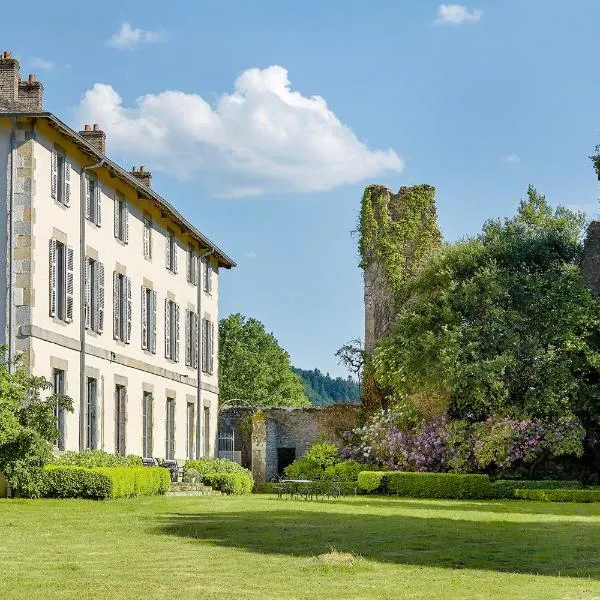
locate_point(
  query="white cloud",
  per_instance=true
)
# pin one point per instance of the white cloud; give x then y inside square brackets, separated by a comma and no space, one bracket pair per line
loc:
[512,158]
[457,14]
[40,63]
[264,136]
[250,254]
[129,36]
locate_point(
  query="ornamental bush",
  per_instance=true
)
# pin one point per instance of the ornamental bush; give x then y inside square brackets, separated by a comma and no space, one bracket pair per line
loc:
[213,465]
[346,470]
[230,483]
[559,495]
[372,481]
[99,483]
[97,458]
[505,488]
[438,485]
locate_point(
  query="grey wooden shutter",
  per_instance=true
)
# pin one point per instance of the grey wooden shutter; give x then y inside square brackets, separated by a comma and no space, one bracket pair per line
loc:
[177,332]
[175,253]
[150,424]
[168,328]
[69,284]
[123,428]
[117,217]
[52,274]
[67,182]
[168,239]
[146,238]
[126,222]
[54,174]
[99,325]
[88,197]
[129,309]
[116,307]
[188,344]
[196,334]
[98,203]
[212,348]
[88,292]
[153,323]
[204,357]
[144,313]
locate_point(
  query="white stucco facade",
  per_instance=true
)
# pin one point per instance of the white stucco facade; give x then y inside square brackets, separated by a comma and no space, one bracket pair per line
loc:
[102,374]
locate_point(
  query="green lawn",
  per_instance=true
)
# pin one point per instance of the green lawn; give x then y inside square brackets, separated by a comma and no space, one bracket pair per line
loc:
[264,548]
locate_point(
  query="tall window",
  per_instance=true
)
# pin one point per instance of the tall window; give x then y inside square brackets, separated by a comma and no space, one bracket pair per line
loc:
[171,330]
[93,206]
[147,440]
[60,178]
[190,425]
[192,265]
[191,339]
[121,218]
[94,295]
[92,411]
[148,313]
[121,307]
[58,385]
[170,432]
[208,346]
[120,419]
[171,246]
[147,237]
[206,266]
[206,431]
[61,281]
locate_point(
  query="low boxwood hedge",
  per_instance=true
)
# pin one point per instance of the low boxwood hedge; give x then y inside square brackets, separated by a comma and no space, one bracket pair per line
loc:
[505,488]
[559,495]
[230,483]
[372,481]
[438,485]
[100,483]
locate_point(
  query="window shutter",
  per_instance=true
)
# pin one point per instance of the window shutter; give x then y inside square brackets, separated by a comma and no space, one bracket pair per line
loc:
[117,216]
[204,357]
[126,223]
[116,307]
[144,313]
[146,238]
[177,332]
[196,334]
[150,419]
[53,278]
[67,182]
[188,345]
[88,292]
[122,430]
[54,174]
[153,321]
[212,348]
[98,204]
[69,281]
[129,309]
[88,198]
[99,325]
[175,253]
[168,328]
[168,240]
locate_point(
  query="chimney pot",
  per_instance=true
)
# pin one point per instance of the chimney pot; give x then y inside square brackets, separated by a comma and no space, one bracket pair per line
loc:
[31,77]
[142,175]
[95,136]
[87,127]
[7,55]
[96,127]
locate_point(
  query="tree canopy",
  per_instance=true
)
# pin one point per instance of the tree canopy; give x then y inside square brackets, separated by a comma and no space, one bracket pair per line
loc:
[501,324]
[322,389]
[254,369]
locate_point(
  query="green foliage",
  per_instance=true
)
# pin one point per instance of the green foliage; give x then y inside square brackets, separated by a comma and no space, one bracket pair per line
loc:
[97,458]
[505,488]
[346,470]
[438,485]
[595,158]
[323,454]
[302,468]
[27,425]
[321,461]
[253,368]
[230,483]
[323,390]
[501,324]
[372,481]
[191,476]
[100,483]
[560,495]
[210,464]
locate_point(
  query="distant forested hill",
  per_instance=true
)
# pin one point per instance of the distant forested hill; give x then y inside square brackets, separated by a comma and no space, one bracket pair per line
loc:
[323,390]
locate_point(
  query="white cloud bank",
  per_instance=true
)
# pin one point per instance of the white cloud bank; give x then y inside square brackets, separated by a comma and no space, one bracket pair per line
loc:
[456,14]
[262,137]
[512,158]
[41,63]
[129,36]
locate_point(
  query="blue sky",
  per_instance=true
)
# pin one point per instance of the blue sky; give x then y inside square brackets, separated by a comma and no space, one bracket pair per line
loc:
[477,99]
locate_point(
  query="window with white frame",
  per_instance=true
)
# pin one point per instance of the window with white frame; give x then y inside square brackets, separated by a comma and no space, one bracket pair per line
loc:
[61,281]
[207,276]
[94,295]
[171,330]
[208,346]
[147,424]
[93,204]
[58,387]
[121,307]
[148,313]
[147,237]
[191,339]
[192,265]
[60,177]
[171,247]
[121,218]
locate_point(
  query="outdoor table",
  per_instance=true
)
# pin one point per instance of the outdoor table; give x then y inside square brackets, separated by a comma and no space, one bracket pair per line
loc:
[300,487]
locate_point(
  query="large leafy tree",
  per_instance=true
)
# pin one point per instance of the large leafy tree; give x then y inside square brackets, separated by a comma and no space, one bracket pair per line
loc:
[27,424]
[501,325]
[253,368]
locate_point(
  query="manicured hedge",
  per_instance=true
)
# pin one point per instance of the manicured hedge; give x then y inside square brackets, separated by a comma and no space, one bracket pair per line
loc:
[230,483]
[97,458]
[372,481]
[505,488]
[559,495]
[214,465]
[99,483]
[438,485]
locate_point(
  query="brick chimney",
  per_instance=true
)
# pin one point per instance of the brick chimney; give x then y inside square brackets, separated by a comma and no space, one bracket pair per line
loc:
[144,176]
[15,94]
[95,136]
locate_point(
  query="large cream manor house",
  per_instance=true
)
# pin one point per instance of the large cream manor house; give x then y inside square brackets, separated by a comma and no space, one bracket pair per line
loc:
[109,292]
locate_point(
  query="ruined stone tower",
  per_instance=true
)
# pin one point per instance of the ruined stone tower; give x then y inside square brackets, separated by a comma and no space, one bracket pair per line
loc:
[398,234]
